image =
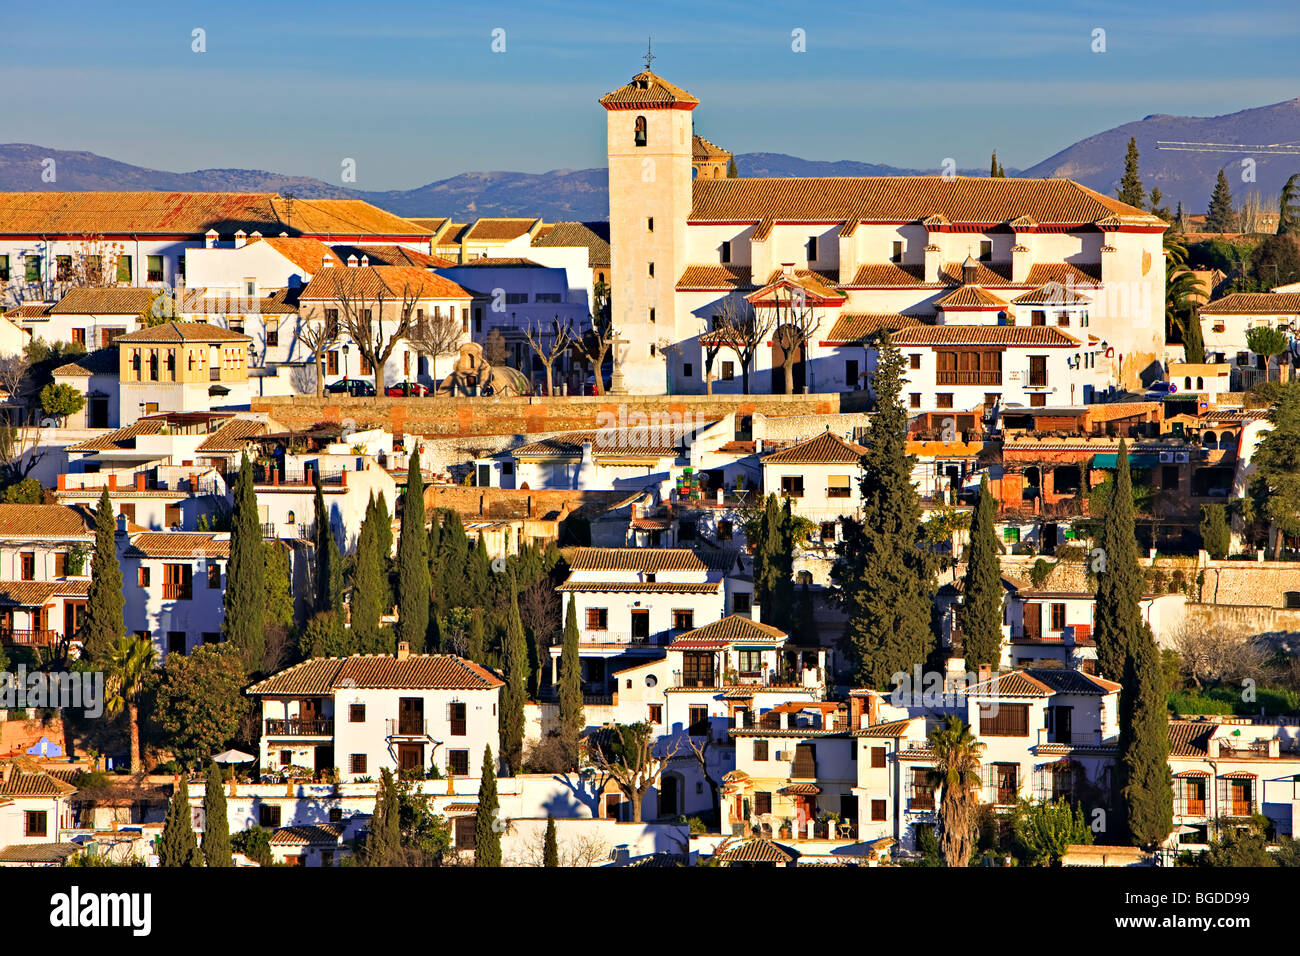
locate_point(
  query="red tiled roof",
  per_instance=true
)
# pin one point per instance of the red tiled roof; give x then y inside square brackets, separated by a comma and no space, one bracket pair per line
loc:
[170,332]
[41,521]
[501,230]
[727,631]
[970,297]
[373,282]
[636,559]
[1029,335]
[827,448]
[648,90]
[322,675]
[714,277]
[1254,303]
[865,326]
[181,544]
[307,254]
[111,301]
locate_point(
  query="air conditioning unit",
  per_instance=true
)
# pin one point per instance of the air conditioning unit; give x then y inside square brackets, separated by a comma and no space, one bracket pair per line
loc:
[780,755]
[1181,456]
[1166,457]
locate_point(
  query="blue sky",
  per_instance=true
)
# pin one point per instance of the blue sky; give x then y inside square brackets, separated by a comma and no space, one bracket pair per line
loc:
[414,93]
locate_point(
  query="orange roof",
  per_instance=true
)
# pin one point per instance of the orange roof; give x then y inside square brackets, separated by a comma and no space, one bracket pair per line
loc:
[323,675]
[635,559]
[865,326]
[825,449]
[1030,335]
[375,282]
[42,521]
[649,91]
[306,254]
[181,544]
[88,301]
[713,277]
[981,200]
[970,297]
[817,286]
[498,229]
[170,332]
[726,631]
[1255,303]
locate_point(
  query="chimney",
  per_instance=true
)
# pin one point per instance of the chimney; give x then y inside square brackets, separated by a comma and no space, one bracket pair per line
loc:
[326,262]
[787,268]
[352,261]
[210,239]
[344,477]
[254,235]
[365,261]
[139,481]
[1020,262]
[755,612]
[112,482]
[241,238]
[121,524]
[931,264]
[403,650]
[857,702]
[63,482]
[985,673]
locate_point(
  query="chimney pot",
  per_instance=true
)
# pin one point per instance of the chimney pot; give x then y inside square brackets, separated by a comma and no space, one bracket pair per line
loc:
[139,481]
[241,239]
[403,650]
[112,482]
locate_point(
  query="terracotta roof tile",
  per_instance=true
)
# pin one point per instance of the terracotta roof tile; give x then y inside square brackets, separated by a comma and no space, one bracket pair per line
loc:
[970,297]
[327,833]
[571,234]
[714,278]
[1255,303]
[890,728]
[1052,293]
[40,521]
[649,90]
[640,587]
[171,332]
[826,448]
[307,254]
[500,230]
[866,326]
[728,630]
[965,199]
[701,148]
[233,435]
[636,559]
[1190,738]
[757,850]
[104,302]
[390,282]
[180,544]
[322,675]
[1011,684]
[33,783]
[1028,335]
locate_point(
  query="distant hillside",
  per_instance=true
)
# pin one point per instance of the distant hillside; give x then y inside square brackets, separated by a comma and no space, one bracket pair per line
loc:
[1098,161]
[581,194]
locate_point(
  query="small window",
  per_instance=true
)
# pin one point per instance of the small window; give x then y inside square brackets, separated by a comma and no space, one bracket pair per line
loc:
[740,602]
[838,486]
[728,371]
[760,749]
[762,802]
[214,575]
[36,823]
[914,361]
[656,713]
[597,618]
[812,249]
[851,373]
[29,566]
[154,268]
[726,252]
[357,763]
[914,400]
[142,577]
[650,224]
[943,399]
[33,264]
[898,251]
[877,757]
[268,816]
[683,620]
[639,135]
[652,318]
[688,370]
[986,250]
[877,811]
[63,268]
[458,763]
[792,486]
[356,713]
[650,269]
[123,268]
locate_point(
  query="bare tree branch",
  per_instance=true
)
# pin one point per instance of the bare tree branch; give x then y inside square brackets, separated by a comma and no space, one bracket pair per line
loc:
[548,352]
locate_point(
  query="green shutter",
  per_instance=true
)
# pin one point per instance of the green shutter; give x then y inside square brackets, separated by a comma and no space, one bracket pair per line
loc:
[123,268]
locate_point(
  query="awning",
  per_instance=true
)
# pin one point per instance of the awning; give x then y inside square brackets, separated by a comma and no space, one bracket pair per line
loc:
[1111,460]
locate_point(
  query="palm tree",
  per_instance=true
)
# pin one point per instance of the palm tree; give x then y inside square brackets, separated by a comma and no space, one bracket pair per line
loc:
[956,771]
[129,666]
[1183,292]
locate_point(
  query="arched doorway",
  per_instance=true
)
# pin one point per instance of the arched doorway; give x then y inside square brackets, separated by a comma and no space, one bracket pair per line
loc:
[671,791]
[784,339]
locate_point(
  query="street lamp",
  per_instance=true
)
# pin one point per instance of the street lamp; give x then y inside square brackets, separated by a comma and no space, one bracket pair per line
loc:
[345,360]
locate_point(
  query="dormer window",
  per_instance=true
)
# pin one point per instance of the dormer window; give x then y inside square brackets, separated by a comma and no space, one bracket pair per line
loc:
[640,137]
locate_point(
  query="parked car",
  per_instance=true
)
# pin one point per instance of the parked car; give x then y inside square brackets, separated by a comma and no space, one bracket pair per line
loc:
[1161,388]
[351,386]
[406,388]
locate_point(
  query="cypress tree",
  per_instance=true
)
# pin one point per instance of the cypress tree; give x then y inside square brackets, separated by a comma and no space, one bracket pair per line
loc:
[366,590]
[487,841]
[572,720]
[453,550]
[384,529]
[1220,217]
[805,621]
[514,665]
[104,623]
[476,647]
[732,172]
[1119,578]
[1144,784]
[178,845]
[329,562]
[433,549]
[245,574]
[981,613]
[478,575]
[885,578]
[550,845]
[774,564]
[384,837]
[413,586]
[1216,537]
[216,826]
[382,541]
[1130,184]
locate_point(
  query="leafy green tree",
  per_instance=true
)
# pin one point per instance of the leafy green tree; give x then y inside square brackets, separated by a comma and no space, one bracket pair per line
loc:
[254,843]
[981,610]
[1157,206]
[515,668]
[1277,460]
[325,636]
[200,702]
[245,573]
[1267,341]
[1182,293]
[26,492]
[774,564]
[572,720]
[1044,830]
[487,840]
[1215,534]
[178,846]
[413,583]
[130,667]
[61,400]
[1130,184]
[216,826]
[1119,578]
[104,624]
[1241,846]
[956,773]
[884,576]
[1221,217]
[550,846]
[279,585]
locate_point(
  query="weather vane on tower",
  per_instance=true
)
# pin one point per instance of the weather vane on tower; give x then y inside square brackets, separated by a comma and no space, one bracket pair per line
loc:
[648,55]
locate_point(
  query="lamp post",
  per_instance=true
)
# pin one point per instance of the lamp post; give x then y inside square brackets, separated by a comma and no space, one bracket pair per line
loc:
[345,360]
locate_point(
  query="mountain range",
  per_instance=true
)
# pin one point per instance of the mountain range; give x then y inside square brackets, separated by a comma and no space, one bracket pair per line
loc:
[581,194]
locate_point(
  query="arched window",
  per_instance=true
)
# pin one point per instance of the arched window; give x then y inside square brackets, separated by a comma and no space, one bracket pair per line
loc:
[640,138]
[292,519]
[1200,383]
[1187,383]
[1207,439]
[1227,439]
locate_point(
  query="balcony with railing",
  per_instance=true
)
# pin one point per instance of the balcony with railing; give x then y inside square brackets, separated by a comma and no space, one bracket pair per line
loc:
[28,637]
[178,591]
[920,799]
[965,377]
[406,727]
[300,727]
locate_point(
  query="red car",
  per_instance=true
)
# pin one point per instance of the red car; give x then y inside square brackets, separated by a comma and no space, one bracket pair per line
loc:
[406,388]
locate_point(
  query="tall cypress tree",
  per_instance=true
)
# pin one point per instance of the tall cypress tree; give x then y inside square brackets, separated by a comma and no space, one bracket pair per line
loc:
[981,612]
[550,845]
[245,574]
[476,647]
[384,835]
[1119,578]
[1220,217]
[453,549]
[382,541]
[216,826]
[329,562]
[413,585]
[478,574]
[1144,782]
[1130,184]
[366,589]
[487,841]
[514,665]
[572,720]
[104,624]
[774,564]
[885,578]
[178,845]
